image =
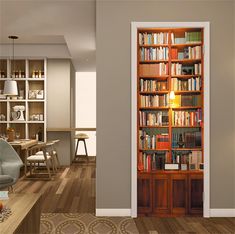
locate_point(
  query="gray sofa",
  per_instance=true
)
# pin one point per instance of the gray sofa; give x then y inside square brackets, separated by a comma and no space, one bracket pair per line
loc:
[10,164]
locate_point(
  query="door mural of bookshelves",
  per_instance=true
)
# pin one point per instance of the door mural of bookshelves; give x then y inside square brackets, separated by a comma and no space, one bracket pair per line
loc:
[30,75]
[170,121]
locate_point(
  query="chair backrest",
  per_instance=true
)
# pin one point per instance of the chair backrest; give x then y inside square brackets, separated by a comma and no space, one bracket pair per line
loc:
[10,162]
[7,153]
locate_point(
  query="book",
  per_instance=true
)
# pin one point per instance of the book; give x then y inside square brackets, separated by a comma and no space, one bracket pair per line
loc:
[159,69]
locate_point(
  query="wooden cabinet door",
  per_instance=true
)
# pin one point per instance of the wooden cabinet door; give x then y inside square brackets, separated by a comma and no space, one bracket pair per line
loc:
[179,194]
[144,193]
[195,183]
[161,194]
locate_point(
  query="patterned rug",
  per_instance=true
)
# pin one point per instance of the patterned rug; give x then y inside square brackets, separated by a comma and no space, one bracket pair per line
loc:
[71,223]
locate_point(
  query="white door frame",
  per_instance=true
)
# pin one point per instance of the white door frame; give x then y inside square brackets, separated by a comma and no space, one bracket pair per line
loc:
[134,27]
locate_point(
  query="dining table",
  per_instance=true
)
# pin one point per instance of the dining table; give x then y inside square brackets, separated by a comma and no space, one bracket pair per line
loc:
[21,146]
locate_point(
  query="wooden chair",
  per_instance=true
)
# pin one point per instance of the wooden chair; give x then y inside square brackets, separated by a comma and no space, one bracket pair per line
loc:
[51,150]
[35,161]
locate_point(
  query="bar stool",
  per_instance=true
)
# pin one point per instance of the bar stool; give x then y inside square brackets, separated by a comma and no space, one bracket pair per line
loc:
[81,137]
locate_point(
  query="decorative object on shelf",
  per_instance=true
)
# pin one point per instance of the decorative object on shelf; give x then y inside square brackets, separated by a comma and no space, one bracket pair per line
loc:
[2,117]
[10,134]
[36,94]
[17,135]
[39,134]
[171,166]
[2,96]
[184,167]
[19,113]
[36,117]
[10,86]
[180,143]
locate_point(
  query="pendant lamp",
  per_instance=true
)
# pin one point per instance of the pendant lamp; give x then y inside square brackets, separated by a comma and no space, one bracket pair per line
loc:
[10,85]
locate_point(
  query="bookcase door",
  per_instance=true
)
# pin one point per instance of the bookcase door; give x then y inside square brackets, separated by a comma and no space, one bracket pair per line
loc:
[179,193]
[161,194]
[195,193]
[144,191]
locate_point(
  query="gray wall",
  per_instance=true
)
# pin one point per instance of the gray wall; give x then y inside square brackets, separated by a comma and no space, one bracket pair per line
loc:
[114,93]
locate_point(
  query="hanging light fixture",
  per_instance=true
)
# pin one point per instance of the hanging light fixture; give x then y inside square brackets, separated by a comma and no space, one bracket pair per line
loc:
[10,85]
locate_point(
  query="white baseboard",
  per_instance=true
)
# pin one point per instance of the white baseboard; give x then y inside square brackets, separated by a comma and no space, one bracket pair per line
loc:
[222,212]
[113,212]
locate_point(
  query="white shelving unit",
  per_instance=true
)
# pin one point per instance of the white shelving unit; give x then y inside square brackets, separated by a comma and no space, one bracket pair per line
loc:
[28,67]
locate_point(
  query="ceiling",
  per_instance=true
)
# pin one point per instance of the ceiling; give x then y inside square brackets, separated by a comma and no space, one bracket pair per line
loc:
[70,22]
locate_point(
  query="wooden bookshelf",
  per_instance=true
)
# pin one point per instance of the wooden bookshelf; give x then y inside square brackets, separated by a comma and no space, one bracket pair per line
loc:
[31,76]
[162,192]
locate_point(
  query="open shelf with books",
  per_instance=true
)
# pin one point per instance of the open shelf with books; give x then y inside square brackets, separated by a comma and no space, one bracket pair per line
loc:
[170,121]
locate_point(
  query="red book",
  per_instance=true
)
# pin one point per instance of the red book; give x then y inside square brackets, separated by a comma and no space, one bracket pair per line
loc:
[140,162]
[149,163]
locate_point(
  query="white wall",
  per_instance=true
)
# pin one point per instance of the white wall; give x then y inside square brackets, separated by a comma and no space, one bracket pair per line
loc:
[86,108]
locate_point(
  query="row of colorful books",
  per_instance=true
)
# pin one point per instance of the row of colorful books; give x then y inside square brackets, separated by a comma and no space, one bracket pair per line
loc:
[155,161]
[158,141]
[189,139]
[191,84]
[187,53]
[152,85]
[161,53]
[154,100]
[163,38]
[182,69]
[158,69]
[191,157]
[187,100]
[187,118]
[189,37]
[153,38]
[157,118]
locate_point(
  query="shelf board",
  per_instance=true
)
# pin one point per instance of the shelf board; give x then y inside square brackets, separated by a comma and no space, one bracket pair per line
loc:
[154,108]
[188,92]
[186,60]
[154,150]
[35,79]
[155,61]
[23,79]
[163,77]
[154,45]
[187,107]
[3,122]
[171,171]
[186,126]
[17,100]
[36,100]
[32,121]
[187,44]
[17,122]
[16,79]
[186,149]
[185,76]
[154,92]
[153,126]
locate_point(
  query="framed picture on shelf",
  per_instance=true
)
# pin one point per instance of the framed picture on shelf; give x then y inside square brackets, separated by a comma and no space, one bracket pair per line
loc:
[40,94]
[32,94]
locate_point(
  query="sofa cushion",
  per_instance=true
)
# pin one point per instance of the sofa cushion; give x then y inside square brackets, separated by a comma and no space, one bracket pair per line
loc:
[6,179]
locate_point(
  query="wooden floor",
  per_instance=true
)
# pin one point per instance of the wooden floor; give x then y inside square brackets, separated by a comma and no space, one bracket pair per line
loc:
[185,225]
[71,191]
